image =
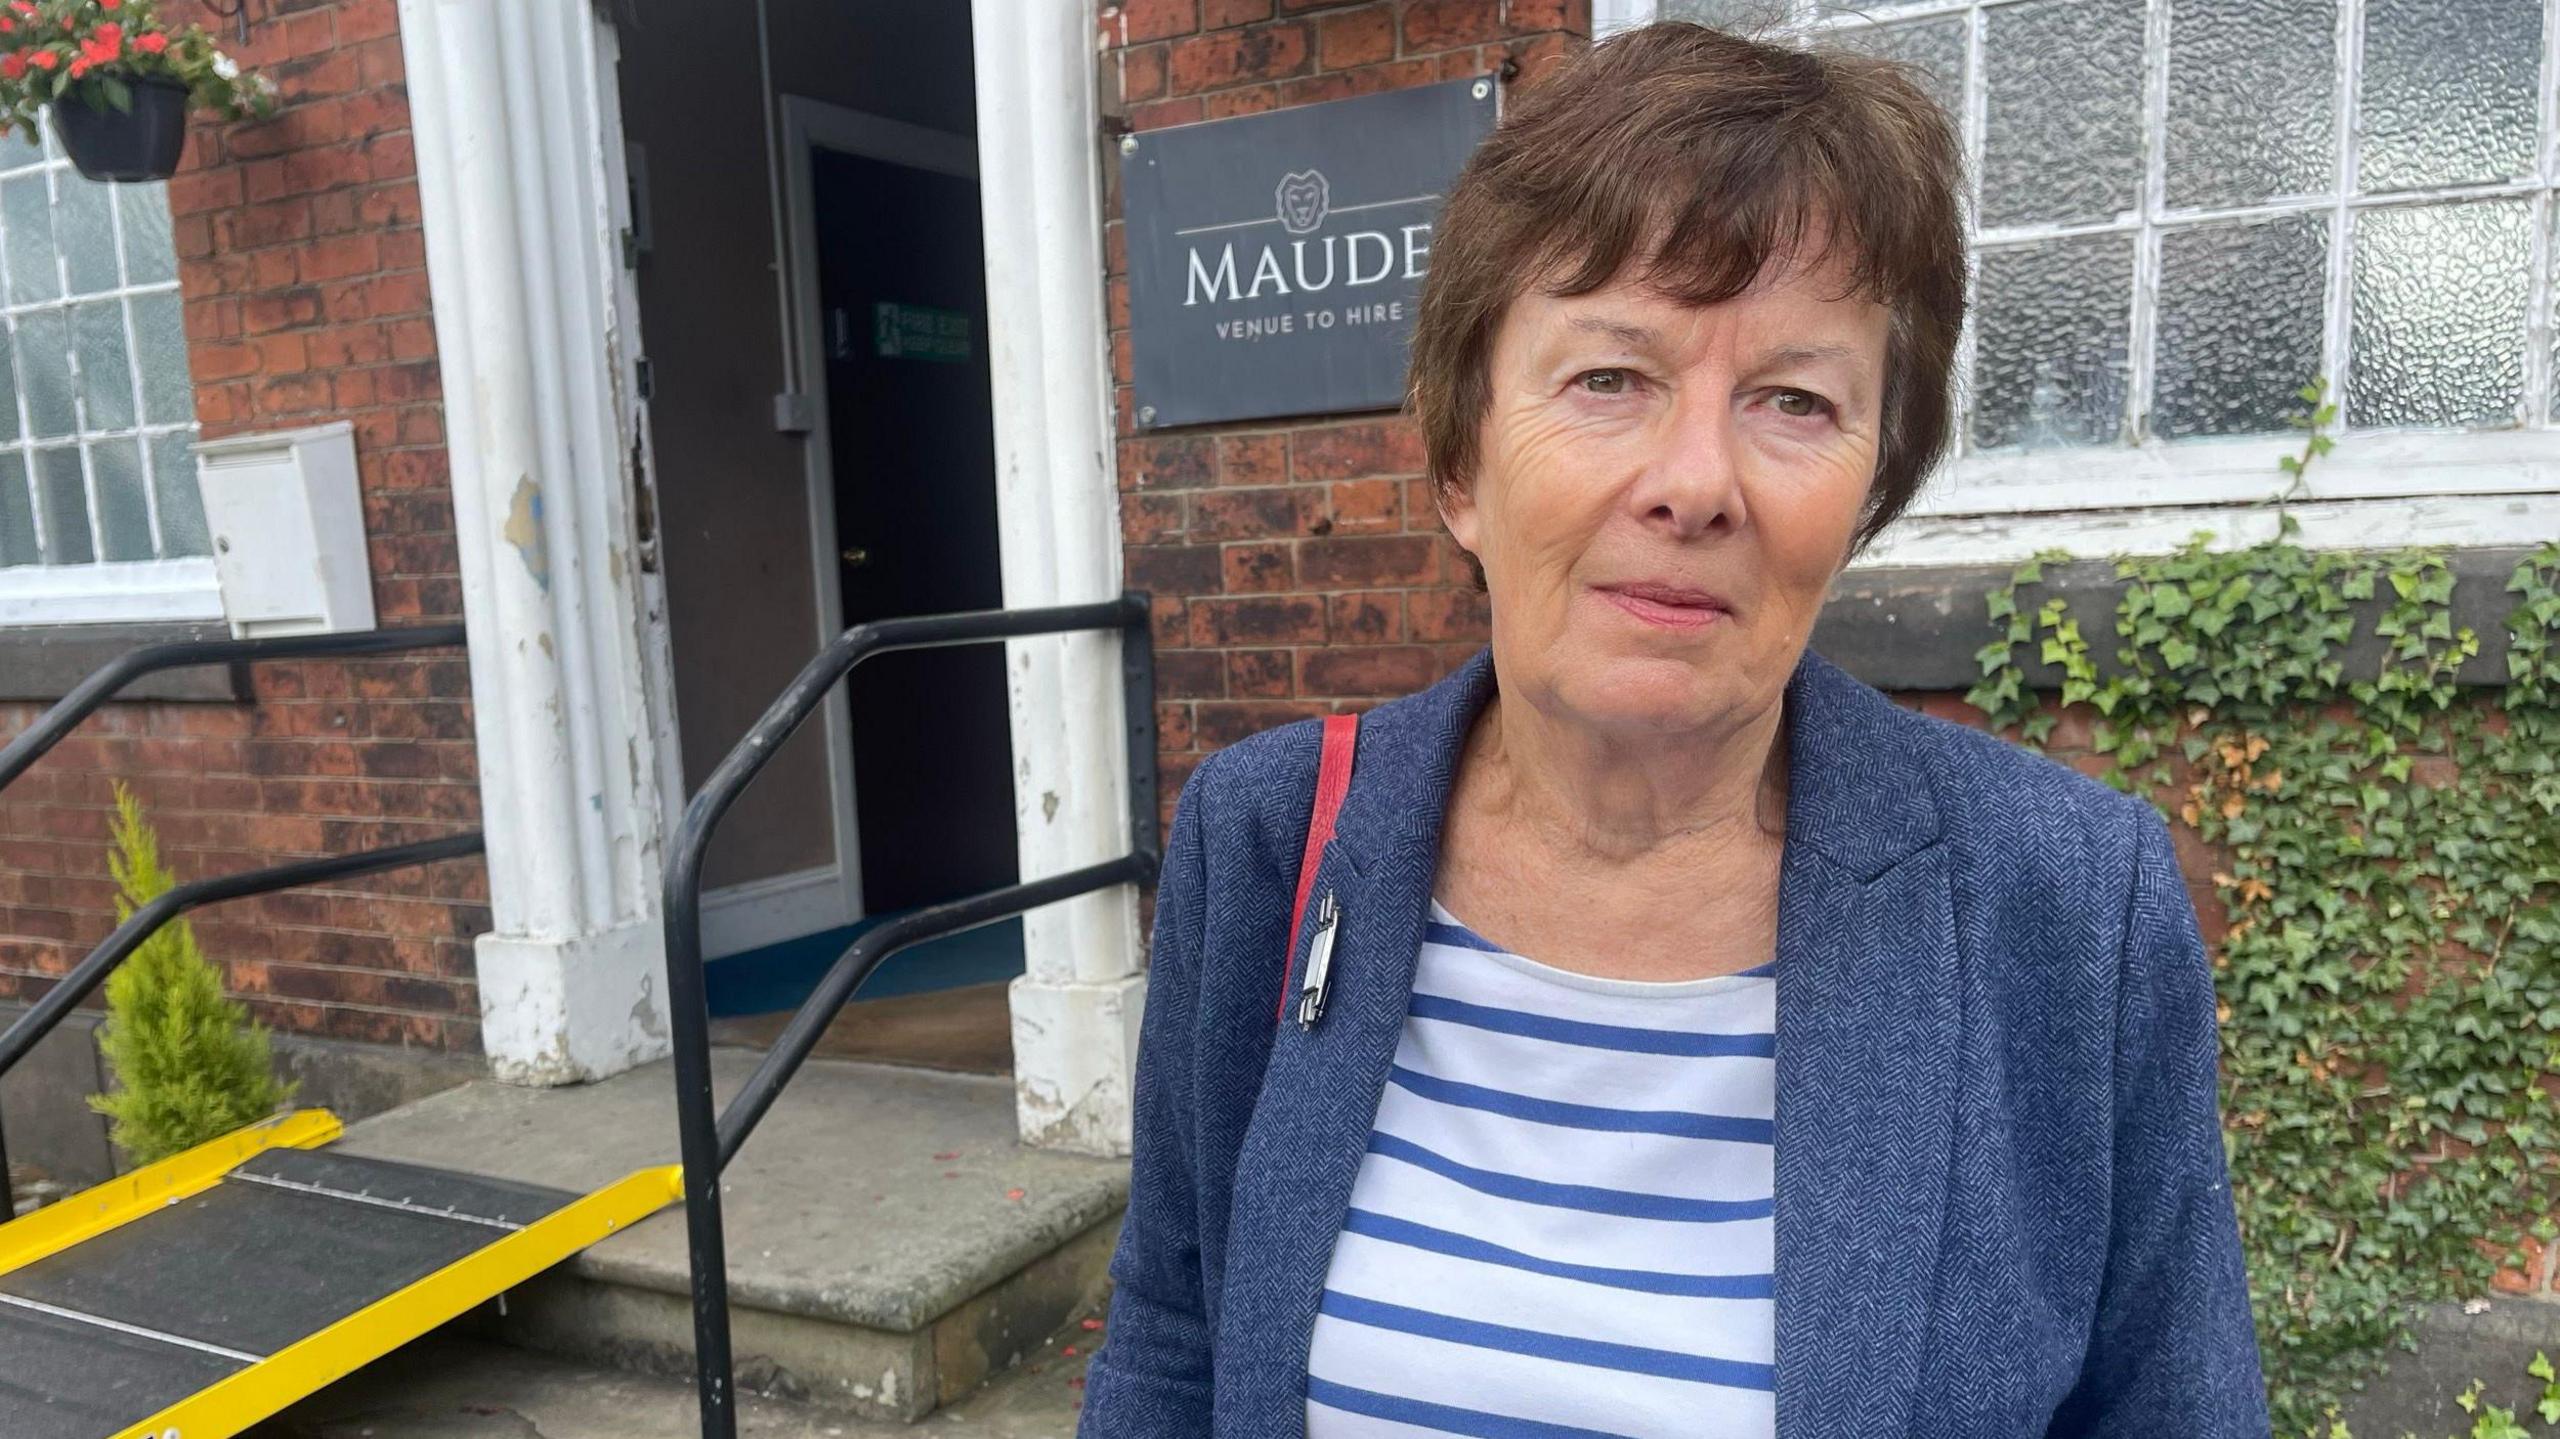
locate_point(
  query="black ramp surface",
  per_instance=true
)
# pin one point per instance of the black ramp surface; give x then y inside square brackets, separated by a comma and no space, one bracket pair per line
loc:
[416,1185]
[60,1379]
[248,1266]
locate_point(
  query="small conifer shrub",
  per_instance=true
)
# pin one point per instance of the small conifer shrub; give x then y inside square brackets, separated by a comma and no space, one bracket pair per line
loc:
[189,1064]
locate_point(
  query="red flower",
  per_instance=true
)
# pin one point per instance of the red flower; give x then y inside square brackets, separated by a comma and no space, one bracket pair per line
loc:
[13,66]
[8,26]
[23,8]
[44,59]
[110,4]
[152,44]
[110,33]
[79,68]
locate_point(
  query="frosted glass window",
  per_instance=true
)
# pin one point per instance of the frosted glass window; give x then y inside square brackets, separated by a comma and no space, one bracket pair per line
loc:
[2238,303]
[2053,336]
[2247,120]
[2062,111]
[97,415]
[2182,211]
[2449,90]
[2440,300]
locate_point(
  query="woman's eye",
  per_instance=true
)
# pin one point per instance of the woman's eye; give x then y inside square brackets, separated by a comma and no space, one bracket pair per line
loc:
[1603,382]
[1798,404]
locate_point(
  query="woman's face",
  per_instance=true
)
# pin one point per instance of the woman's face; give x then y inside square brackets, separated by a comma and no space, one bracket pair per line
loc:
[1664,493]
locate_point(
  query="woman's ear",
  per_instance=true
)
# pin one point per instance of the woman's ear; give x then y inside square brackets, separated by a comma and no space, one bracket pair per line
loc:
[1457,503]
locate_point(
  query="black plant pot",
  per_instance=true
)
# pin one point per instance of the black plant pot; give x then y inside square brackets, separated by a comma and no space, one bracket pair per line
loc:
[141,144]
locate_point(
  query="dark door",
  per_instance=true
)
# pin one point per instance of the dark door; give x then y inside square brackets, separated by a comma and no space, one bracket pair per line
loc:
[902,291]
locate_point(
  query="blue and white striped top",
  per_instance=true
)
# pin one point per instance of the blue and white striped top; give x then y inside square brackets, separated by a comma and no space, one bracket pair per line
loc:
[1562,1227]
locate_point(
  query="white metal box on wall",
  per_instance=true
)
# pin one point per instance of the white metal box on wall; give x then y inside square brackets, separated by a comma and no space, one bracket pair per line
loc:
[288,531]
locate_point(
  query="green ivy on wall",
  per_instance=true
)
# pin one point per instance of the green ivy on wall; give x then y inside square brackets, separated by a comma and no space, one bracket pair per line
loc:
[2390,982]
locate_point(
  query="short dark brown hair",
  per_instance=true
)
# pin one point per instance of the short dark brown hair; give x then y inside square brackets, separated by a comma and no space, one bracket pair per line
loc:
[1715,154]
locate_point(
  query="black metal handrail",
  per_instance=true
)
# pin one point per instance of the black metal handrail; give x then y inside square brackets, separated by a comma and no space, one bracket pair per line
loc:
[709,1140]
[103,685]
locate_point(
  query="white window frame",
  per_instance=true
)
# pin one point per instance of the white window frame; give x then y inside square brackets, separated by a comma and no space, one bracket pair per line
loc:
[2482,483]
[97,591]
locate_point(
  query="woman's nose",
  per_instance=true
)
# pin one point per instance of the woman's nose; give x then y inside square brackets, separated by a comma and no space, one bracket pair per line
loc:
[1692,480]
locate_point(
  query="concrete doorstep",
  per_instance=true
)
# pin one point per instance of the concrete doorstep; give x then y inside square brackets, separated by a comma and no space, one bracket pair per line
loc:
[452,1387]
[891,1244]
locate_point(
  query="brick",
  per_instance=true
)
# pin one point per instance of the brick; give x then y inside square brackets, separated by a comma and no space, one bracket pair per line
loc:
[1445,24]
[1259,674]
[1174,569]
[1258,567]
[1191,674]
[1174,462]
[1247,100]
[1351,452]
[1368,562]
[1218,14]
[1150,519]
[339,258]
[1256,514]
[1137,21]
[264,314]
[1237,57]
[1257,620]
[1367,506]
[1528,17]
[1253,459]
[1173,726]
[1142,73]
[1221,723]
[1361,80]
[1356,37]
[1449,615]
[1367,617]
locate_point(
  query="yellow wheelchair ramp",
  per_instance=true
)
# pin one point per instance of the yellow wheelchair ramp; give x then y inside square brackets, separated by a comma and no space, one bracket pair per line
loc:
[194,1297]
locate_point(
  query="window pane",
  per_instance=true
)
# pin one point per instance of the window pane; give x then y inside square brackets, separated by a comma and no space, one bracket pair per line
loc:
[148,258]
[1935,47]
[1742,16]
[8,392]
[2062,137]
[84,225]
[2439,315]
[17,514]
[106,371]
[159,329]
[26,212]
[44,368]
[16,150]
[2448,90]
[2250,85]
[2241,309]
[66,507]
[173,478]
[2050,369]
[124,516]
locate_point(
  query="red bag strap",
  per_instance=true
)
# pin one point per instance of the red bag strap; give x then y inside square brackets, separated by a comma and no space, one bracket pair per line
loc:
[1333,783]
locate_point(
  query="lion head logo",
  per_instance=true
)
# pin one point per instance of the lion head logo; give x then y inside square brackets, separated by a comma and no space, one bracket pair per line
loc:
[1303,199]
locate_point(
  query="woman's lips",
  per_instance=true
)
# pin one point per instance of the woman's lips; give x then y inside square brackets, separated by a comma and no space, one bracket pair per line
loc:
[1674,607]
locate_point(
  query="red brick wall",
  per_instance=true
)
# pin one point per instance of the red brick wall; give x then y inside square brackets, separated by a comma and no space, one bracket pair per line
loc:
[1298,566]
[304,271]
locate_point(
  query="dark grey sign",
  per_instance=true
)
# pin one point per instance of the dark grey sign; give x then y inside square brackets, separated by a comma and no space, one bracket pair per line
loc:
[1276,260]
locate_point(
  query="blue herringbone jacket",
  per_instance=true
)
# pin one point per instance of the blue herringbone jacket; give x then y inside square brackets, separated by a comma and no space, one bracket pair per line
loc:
[2002,1201]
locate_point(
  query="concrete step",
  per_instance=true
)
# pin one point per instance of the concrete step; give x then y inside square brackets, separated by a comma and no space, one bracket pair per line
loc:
[453,1387]
[891,1244]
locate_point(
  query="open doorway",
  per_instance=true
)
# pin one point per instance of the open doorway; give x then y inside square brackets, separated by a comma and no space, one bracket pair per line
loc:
[825,448]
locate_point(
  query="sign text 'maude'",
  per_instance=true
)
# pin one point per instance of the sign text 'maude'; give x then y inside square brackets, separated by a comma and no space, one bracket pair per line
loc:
[1275,260]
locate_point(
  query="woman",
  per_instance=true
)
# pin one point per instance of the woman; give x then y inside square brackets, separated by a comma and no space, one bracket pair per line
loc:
[1681,1038]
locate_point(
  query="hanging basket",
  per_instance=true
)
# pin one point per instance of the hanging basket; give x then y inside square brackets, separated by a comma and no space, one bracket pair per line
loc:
[127,146]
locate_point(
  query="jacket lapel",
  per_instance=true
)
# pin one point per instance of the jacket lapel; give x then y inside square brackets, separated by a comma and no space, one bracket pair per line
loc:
[1865,1038]
[1320,1090]
[1866,1042]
